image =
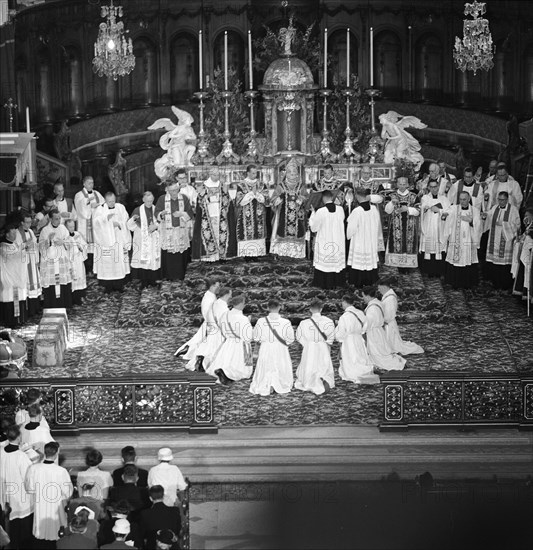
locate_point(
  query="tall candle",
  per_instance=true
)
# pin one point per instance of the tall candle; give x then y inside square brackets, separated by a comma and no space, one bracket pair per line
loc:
[250,56]
[371,57]
[325,57]
[200,59]
[225,60]
[347,58]
[28,120]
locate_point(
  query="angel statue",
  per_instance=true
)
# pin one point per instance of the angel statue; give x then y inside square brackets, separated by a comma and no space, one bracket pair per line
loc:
[400,144]
[179,142]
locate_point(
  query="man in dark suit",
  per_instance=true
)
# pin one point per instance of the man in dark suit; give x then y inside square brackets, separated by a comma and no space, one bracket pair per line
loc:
[159,516]
[130,491]
[129,457]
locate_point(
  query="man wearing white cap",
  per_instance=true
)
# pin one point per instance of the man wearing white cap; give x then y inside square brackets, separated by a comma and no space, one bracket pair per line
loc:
[121,530]
[168,476]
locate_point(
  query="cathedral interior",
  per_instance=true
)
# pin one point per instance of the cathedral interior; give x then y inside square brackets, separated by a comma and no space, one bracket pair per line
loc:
[439,455]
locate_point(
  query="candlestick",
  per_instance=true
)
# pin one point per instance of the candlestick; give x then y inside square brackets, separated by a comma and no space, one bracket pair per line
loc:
[325,57]
[202,154]
[227,154]
[225,60]
[347,57]
[371,57]
[251,83]
[28,120]
[200,59]
[252,154]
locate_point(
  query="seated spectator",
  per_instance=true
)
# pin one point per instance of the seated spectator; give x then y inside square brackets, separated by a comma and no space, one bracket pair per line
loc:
[120,510]
[93,504]
[158,517]
[136,496]
[167,540]
[34,434]
[77,535]
[168,476]
[93,475]
[92,525]
[130,457]
[22,417]
[121,530]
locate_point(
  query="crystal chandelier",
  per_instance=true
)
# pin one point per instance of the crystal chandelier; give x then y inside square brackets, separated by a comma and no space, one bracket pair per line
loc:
[113,54]
[476,50]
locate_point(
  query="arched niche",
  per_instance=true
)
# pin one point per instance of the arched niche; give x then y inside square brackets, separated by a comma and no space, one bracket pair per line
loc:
[184,77]
[388,63]
[337,42]
[72,91]
[141,83]
[528,76]
[428,68]
[236,58]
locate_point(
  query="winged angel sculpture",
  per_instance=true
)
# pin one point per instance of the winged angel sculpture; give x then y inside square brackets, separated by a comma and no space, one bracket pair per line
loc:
[178,142]
[400,144]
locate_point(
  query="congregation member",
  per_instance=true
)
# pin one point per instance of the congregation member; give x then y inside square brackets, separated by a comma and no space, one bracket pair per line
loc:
[329,258]
[63,204]
[316,335]
[55,267]
[78,536]
[168,476]
[504,224]
[251,218]
[289,226]
[504,182]
[212,345]
[378,347]
[77,248]
[402,241]
[158,518]
[389,305]
[191,349]
[14,465]
[234,360]
[365,235]
[463,231]
[146,255]
[112,240]
[49,513]
[129,456]
[13,279]
[115,513]
[85,202]
[174,211]
[136,496]
[121,529]
[432,231]
[355,364]
[30,257]
[100,479]
[215,224]
[85,500]
[273,371]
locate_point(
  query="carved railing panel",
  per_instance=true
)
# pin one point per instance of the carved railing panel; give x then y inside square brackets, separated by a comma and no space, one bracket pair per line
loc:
[456,399]
[185,402]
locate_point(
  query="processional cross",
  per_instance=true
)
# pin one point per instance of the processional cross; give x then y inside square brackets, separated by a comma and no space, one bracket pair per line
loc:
[10,106]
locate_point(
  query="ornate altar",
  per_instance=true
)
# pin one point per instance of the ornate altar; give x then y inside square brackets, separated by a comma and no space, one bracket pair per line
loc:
[289,101]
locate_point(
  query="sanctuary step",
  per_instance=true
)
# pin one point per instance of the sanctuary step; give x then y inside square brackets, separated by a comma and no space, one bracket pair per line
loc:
[327,453]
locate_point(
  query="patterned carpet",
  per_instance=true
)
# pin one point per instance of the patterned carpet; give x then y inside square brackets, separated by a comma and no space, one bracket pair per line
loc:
[136,333]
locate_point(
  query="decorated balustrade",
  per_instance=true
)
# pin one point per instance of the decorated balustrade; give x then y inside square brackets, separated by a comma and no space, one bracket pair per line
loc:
[456,399]
[183,402]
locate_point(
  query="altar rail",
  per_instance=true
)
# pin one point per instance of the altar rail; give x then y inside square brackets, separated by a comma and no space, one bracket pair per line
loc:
[456,399]
[183,402]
